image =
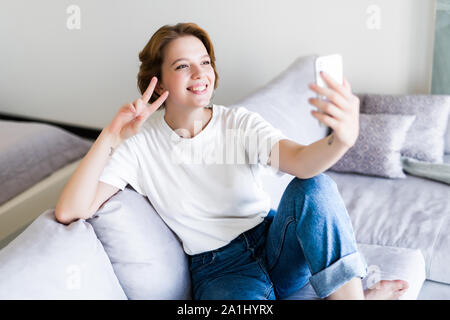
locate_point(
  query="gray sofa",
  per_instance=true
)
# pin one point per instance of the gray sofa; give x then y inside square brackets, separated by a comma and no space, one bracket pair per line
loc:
[125,251]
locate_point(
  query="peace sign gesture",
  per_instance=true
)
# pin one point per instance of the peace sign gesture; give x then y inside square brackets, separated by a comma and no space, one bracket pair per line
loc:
[131,116]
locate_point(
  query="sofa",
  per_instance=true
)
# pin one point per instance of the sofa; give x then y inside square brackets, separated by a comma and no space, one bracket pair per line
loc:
[125,251]
[400,219]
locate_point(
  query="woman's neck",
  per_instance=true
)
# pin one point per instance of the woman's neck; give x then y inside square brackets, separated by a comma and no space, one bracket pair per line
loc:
[187,122]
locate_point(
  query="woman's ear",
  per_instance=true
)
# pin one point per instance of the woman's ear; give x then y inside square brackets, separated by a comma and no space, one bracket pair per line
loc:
[159,89]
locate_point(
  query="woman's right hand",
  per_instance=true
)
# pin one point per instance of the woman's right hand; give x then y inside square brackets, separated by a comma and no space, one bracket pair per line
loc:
[131,116]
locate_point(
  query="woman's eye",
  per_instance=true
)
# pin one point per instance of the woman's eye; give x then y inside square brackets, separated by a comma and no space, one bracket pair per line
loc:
[179,67]
[185,65]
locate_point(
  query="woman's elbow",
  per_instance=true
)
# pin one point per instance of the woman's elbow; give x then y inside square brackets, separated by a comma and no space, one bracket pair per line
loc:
[63,217]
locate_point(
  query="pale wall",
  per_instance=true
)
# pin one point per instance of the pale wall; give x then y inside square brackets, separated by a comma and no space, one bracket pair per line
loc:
[83,76]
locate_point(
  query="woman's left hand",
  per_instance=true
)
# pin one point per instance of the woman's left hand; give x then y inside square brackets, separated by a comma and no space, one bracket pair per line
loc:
[341,112]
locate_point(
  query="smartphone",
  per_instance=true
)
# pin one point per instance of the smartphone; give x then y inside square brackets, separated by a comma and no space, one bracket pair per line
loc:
[333,66]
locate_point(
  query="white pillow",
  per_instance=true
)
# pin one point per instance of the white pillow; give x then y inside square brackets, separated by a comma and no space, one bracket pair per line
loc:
[384,263]
[49,260]
[146,255]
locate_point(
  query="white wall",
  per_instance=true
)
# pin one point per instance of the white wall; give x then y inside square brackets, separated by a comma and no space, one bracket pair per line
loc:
[83,76]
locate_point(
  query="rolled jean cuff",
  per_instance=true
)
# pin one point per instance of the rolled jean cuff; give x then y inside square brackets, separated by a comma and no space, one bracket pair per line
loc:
[327,281]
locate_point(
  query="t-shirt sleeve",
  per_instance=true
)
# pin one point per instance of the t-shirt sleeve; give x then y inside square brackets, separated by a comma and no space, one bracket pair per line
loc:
[123,167]
[259,138]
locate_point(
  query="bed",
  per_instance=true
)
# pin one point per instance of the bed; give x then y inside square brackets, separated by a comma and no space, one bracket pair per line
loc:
[36,161]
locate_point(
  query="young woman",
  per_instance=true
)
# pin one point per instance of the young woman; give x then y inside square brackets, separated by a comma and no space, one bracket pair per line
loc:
[238,247]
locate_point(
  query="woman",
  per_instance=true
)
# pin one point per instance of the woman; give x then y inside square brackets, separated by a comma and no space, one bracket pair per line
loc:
[238,247]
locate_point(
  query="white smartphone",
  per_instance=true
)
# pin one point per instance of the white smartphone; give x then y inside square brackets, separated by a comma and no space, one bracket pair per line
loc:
[333,66]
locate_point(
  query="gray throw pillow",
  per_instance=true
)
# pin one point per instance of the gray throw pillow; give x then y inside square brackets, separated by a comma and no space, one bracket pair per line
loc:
[425,138]
[50,260]
[377,150]
[147,257]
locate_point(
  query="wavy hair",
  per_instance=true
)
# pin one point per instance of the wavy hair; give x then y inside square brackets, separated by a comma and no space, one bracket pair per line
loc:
[151,56]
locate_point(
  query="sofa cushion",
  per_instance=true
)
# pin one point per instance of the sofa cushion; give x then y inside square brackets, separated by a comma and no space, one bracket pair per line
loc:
[147,257]
[384,263]
[425,139]
[377,149]
[49,260]
[283,102]
[409,213]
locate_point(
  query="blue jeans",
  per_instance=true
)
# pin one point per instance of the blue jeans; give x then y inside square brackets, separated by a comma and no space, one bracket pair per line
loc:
[308,238]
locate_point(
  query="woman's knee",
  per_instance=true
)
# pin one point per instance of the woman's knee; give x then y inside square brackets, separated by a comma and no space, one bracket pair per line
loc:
[320,183]
[318,196]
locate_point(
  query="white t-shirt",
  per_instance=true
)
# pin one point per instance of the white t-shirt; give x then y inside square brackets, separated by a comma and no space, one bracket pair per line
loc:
[206,188]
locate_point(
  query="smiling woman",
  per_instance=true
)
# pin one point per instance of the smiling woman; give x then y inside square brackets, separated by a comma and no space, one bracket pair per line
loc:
[152,56]
[238,247]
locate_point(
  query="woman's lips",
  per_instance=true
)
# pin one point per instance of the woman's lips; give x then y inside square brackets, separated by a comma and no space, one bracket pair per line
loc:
[199,92]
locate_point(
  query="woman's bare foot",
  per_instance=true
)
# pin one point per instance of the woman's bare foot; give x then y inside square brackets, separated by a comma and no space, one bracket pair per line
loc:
[386,290]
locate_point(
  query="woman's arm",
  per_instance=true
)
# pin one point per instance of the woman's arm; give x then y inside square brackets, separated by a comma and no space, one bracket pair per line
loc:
[83,194]
[308,161]
[79,193]
[340,113]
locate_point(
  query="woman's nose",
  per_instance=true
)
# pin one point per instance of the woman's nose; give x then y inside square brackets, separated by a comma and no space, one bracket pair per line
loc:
[197,71]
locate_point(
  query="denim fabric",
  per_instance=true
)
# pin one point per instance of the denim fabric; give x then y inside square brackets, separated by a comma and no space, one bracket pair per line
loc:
[308,238]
